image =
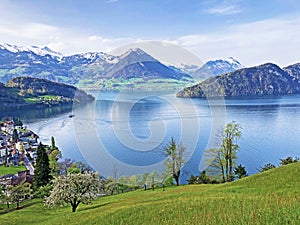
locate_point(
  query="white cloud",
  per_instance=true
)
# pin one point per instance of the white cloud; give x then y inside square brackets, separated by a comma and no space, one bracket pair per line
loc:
[223,7]
[275,40]
[58,38]
[224,10]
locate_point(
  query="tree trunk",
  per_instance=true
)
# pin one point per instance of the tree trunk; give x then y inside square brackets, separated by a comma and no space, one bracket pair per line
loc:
[176,177]
[230,161]
[223,174]
[74,207]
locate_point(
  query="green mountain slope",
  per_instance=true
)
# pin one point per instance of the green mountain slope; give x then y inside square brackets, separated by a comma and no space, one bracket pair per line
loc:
[272,197]
[263,80]
[25,91]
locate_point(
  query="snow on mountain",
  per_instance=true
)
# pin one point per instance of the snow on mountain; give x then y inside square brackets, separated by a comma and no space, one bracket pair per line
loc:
[45,51]
[136,51]
[217,67]
[136,55]
[34,49]
[183,68]
[229,63]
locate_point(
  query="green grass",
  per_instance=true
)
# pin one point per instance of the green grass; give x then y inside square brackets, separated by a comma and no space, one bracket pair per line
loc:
[11,169]
[272,197]
[40,98]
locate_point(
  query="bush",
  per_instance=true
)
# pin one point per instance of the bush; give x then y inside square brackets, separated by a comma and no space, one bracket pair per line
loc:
[201,179]
[267,167]
[288,160]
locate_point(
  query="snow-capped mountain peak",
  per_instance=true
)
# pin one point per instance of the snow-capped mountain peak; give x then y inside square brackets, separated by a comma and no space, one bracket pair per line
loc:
[229,62]
[137,52]
[10,48]
[92,56]
[34,49]
[217,67]
[232,60]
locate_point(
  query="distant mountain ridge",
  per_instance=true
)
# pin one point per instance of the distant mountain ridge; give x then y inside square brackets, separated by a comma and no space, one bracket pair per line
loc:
[34,49]
[264,80]
[92,69]
[217,67]
[22,92]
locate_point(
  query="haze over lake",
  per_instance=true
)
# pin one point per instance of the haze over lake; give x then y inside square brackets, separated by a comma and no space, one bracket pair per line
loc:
[130,132]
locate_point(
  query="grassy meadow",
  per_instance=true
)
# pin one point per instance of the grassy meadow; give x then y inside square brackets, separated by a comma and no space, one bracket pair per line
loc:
[11,169]
[271,197]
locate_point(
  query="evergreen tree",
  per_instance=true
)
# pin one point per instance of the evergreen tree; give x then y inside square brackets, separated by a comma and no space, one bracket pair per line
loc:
[15,136]
[42,169]
[240,171]
[18,122]
[288,160]
[53,147]
[266,167]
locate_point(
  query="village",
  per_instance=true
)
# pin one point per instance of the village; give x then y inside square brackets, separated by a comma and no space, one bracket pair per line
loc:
[18,146]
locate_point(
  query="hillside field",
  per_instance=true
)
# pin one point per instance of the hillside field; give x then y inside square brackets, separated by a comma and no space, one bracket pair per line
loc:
[271,197]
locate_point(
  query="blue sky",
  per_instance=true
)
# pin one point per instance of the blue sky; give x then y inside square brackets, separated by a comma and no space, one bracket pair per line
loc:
[252,31]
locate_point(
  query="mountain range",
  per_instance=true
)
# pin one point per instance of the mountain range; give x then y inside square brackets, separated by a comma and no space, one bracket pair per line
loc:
[136,69]
[85,70]
[97,70]
[263,80]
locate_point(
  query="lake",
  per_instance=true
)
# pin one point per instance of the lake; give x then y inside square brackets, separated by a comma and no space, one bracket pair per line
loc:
[129,130]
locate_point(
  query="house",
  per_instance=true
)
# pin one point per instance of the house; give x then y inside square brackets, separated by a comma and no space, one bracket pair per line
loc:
[2,151]
[22,177]
[13,179]
[6,179]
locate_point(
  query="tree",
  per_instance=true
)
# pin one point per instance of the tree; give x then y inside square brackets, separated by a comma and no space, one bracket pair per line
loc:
[2,197]
[42,169]
[229,147]
[43,191]
[21,148]
[267,167]
[133,181]
[240,171]
[19,193]
[111,184]
[64,166]
[168,181]
[73,169]
[83,167]
[54,156]
[74,189]
[53,147]
[15,136]
[18,122]
[201,179]
[174,161]
[288,160]
[6,158]
[223,158]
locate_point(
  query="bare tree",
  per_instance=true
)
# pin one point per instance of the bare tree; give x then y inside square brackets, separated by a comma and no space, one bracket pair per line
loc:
[223,158]
[174,161]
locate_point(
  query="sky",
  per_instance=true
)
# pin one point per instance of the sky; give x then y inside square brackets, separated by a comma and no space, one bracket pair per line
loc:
[252,31]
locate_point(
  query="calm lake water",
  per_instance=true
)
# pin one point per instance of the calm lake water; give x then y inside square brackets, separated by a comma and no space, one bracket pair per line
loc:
[128,131]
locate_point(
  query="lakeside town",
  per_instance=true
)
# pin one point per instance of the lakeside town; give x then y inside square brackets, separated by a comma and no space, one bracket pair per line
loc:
[18,146]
